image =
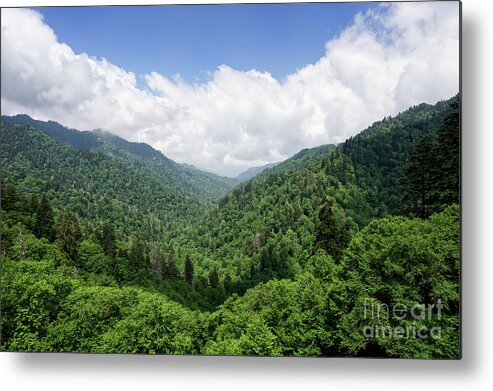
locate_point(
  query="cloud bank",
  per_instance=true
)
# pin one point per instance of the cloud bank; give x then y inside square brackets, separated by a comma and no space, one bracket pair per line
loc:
[394,56]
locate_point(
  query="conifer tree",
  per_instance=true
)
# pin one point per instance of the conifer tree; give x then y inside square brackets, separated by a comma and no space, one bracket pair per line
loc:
[188,273]
[171,270]
[449,156]
[213,279]
[137,258]
[228,284]
[330,236]
[107,238]
[44,225]
[69,234]
[420,179]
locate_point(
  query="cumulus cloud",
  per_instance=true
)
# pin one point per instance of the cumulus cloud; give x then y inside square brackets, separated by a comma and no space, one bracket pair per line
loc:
[394,56]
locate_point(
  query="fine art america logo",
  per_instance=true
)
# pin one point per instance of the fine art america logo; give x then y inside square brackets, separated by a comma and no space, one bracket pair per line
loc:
[418,319]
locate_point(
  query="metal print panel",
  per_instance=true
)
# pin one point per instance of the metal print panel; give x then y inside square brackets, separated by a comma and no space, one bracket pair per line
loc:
[236,179]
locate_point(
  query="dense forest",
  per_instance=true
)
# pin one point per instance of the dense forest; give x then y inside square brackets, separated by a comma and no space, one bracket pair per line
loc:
[109,246]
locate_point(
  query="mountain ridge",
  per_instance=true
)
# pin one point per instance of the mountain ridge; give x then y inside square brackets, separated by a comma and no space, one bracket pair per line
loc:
[95,139]
[253,171]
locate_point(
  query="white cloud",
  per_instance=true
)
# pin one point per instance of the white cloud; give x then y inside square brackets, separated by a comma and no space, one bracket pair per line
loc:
[390,58]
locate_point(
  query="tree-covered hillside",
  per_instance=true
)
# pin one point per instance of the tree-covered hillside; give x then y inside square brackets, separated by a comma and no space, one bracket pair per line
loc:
[106,182]
[267,226]
[108,249]
[252,171]
[179,175]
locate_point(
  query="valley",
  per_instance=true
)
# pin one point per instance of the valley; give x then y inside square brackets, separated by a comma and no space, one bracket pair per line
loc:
[110,246]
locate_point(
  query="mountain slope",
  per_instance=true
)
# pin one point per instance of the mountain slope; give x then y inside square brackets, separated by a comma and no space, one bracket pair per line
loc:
[210,185]
[266,227]
[252,171]
[280,267]
[132,192]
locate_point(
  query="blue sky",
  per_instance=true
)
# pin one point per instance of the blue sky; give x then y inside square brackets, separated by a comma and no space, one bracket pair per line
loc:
[194,40]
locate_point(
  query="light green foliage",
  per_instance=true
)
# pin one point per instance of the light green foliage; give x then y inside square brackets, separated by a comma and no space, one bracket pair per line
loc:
[277,318]
[32,292]
[86,315]
[92,258]
[404,261]
[154,325]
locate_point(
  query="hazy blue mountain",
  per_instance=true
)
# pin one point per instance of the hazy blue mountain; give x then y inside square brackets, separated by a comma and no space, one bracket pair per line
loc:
[252,171]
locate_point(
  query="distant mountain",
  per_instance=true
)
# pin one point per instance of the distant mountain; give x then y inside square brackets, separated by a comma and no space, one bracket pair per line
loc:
[142,150]
[128,183]
[252,171]
[86,139]
[111,144]
[73,137]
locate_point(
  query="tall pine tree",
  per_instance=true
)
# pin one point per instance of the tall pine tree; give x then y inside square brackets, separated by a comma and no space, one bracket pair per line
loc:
[449,157]
[44,225]
[330,236]
[69,234]
[419,183]
[188,272]
[107,238]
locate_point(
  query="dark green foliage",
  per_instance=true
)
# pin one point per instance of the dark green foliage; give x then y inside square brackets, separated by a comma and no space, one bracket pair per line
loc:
[82,140]
[188,273]
[431,178]
[151,194]
[107,238]
[171,271]
[138,262]
[421,178]
[449,156]
[380,152]
[214,279]
[10,197]
[228,284]
[44,225]
[329,236]
[69,234]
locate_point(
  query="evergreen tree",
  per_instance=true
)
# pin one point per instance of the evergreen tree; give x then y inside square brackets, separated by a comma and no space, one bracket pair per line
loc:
[107,238]
[10,197]
[213,279]
[68,234]
[171,270]
[33,204]
[449,156]
[329,235]
[137,259]
[158,261]
[253,270]
[44,225]
[420,179]
[265,259]
[228,284]
[188,272]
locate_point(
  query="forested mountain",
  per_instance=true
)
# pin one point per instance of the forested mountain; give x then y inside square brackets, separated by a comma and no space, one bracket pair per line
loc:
[266,227]
[186,176]
[252,171]
[106,248]
[117,181]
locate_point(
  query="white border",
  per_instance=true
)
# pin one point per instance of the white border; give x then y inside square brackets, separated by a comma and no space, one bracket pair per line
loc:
[474,372]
